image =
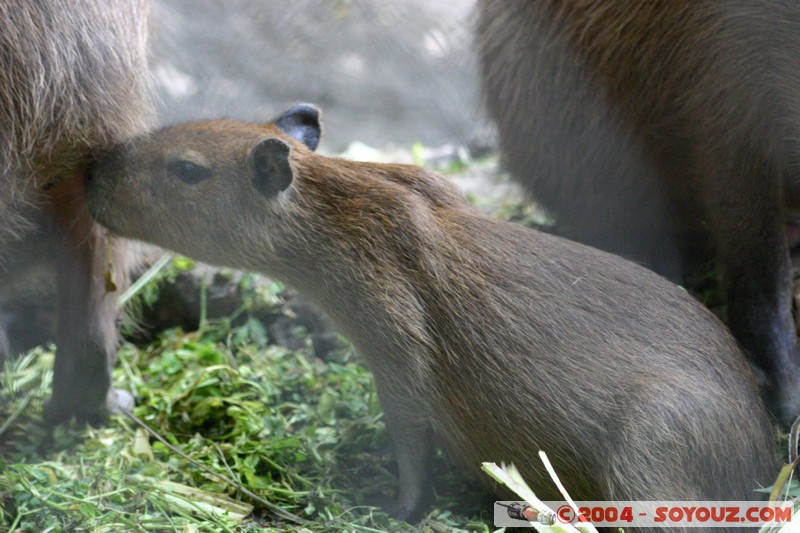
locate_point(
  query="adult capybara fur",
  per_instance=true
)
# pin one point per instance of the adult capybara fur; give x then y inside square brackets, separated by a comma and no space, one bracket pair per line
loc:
[73,78]
[665,131]
[501,339]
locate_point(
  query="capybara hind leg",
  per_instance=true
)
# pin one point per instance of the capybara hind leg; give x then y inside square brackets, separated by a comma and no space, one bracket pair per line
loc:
[87,311]
[747,220]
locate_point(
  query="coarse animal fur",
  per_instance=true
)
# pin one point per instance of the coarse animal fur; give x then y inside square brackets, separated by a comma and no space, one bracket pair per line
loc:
[501,339]
[663,131]
[73,78]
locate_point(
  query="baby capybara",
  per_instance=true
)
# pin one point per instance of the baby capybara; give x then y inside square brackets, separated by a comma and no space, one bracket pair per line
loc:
[501,339]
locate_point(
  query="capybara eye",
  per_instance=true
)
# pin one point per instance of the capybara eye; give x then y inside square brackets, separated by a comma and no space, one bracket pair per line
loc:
[188,172]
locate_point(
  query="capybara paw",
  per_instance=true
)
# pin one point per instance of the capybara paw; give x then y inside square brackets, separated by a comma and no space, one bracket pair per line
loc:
[58,412]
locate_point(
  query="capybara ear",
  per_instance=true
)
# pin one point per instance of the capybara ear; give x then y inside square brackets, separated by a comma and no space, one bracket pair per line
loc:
[272,172]
[302,123]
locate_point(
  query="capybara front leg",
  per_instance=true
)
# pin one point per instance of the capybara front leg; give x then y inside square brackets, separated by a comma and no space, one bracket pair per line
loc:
[87,310]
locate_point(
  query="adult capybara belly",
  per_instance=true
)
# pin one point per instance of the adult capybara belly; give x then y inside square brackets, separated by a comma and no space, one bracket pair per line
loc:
[663,131]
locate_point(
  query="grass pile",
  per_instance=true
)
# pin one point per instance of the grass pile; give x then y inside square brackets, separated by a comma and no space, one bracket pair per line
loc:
[283,426]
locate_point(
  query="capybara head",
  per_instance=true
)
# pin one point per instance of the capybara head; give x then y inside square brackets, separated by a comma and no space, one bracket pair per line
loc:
[200,179]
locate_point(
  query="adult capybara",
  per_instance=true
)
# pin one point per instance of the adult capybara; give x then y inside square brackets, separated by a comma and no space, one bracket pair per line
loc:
[73,77]
[501,339]
[663,130]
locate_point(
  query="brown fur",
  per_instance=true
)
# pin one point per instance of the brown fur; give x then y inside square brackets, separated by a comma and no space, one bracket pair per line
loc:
[73,77]
[659,130]
[501,339]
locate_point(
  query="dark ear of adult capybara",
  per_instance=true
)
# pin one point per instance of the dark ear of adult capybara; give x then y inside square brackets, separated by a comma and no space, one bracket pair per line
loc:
[73,78]
[501,339]
[664,132]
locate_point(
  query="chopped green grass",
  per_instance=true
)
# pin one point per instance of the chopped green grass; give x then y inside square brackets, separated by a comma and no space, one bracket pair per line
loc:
[281,425]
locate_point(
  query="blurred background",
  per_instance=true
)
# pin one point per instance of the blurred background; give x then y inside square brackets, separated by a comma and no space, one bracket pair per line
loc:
[384,72]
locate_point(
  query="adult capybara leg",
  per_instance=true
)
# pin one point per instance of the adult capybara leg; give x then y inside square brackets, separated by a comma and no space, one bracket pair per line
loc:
[87,311]
[5,343]
[750,235]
